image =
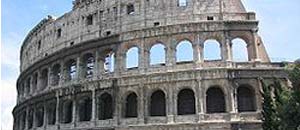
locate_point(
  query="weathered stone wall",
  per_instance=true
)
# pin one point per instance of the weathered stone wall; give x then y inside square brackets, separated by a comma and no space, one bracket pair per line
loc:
[64,67]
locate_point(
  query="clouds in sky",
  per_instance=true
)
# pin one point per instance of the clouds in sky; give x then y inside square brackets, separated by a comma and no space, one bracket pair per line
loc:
[279,28]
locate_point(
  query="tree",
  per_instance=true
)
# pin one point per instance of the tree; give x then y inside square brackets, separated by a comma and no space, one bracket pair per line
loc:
[269,123]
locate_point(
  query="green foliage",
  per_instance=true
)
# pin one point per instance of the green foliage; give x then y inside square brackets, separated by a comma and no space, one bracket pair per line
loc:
[281,107]
[294,74]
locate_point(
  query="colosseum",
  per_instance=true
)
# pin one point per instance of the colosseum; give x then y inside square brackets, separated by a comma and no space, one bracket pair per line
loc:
[143,65]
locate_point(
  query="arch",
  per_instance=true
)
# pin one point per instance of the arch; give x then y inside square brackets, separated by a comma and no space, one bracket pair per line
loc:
[246,98]
[132,58]
[28,86]
[34,82]
[71,69]
[89,63]
[131,106]
[105,107]
[157,54]
[215,100]
[186,102]
[67,112]
[184,51]
[182,3]
[212,50]
[51,113]
[56,74]
[39,116]
[30,119]
[109,62]
[44,79]
[239,50]
[85,109]
[158,104]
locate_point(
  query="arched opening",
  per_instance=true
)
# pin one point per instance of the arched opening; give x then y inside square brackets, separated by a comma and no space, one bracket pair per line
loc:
[246,99]
[23,120]
[186,102]
[105,107]
[34,82]
[89,63]
[51,114]
[109,62]
[39,115]
[157,54]
[158,104]
[184,51]
[182,3]
[131,106]
[44,79]
[215,100]
[212,50]
[67,112]
[71,69]
[85,109]
[28,86]
[132,58]
[30,119]
[239,50]
[56,74]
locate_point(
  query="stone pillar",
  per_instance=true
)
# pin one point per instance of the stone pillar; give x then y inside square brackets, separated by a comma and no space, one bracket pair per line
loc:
[45,116]
[34,117]
[78,69]
[196,50]
[62,74]
[26,118]
[200,98]
[223,46]
[74,111]
[255,36]
[96,66]
[142,58]
[49,78]
[57,109]
[94,107]
[170,105]
[141,104]
[228,47]
[171,53]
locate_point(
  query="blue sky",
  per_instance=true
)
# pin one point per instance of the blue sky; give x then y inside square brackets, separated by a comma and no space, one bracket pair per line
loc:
[279,28]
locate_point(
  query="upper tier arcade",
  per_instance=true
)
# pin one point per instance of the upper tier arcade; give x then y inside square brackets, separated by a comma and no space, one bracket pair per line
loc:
[98,19]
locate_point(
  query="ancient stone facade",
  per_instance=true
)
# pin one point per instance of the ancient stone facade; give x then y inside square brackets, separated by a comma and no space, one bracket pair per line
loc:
[75,73]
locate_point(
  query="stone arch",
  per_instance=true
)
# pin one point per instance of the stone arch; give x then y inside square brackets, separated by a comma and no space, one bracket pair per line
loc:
[132,57]
[44,79]
[71,69]
[34,82]
[239,50]
[55,74]
[88,65]
[66,112]
[105,106]
[85,108]
[30,119]
[158,54]
[158,103]
[39,116]
[215,100]
[131,106]
[212,50]
[246,98]
[51,113]
[186,102]
[184,51]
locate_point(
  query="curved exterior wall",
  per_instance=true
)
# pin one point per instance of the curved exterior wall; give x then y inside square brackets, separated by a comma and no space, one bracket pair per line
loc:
[52,97]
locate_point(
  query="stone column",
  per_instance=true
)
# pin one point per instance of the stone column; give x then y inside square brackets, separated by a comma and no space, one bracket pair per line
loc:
[57,109]
[96,66]
[74,119]
[228,47]
[170,105]
[200,99]
[142,58]
[78,69]
[94,117]
[49,78]
[26,118]
[45,116]
[171,53]
[196,50]
[255,36]
[62,74]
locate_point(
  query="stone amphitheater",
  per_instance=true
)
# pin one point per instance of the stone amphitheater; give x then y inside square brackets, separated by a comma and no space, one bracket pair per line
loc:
[76,73]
